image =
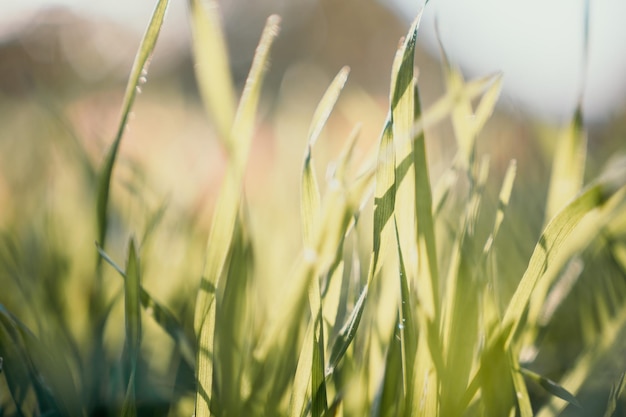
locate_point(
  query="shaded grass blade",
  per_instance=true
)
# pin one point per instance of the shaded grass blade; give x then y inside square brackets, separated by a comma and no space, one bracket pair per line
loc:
[161,315]
[132,319]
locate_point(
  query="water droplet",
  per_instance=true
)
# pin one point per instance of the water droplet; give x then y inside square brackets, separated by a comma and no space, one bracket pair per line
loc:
[142,80]
[138,89]
[401,326]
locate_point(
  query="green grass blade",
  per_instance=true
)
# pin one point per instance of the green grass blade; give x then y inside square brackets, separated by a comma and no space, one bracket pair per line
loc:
[551,243]
[137,76]
[212,66]
[551,387]
[132,318]
[161,315]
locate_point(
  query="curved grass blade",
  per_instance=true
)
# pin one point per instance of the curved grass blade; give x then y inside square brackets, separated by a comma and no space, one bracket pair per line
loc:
[137,76]
[551,243]
[213,67]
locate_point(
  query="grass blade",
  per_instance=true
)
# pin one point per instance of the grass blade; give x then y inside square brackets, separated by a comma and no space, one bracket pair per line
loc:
[551,242]
[137,76]
[225,216]
[213,67]
[161,315]
[132,320]
[568,166]
[551,386]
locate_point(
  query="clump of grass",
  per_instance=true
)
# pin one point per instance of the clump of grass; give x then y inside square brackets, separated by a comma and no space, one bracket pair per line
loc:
[422,331]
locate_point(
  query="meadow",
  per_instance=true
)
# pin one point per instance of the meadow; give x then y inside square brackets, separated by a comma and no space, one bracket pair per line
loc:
[391,276]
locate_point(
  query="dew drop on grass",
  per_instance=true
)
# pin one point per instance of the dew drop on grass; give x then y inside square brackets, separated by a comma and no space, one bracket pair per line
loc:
[138,89]
[401,326]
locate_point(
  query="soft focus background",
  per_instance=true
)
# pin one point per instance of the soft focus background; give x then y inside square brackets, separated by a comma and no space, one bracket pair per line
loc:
[63,69]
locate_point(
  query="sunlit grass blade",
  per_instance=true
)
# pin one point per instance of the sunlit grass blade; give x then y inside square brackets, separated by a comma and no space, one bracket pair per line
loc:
[503,201]
[568,166]
[402,110]
[137,77]
[319,400]
[310,206]
[551,242]
[302,381]
[161,315]
[213,67]
[225,216]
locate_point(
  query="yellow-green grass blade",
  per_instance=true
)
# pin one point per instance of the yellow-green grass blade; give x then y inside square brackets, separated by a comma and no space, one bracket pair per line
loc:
[245,118]
[568,166]
[402,109]
[326,105]
[160,314]
[503,202]
[212,67]
[302,379]
[552,242]
[233,339]
[521,391]
[227,209]
[226,212]
[137,76]
[310,205]
[132,318]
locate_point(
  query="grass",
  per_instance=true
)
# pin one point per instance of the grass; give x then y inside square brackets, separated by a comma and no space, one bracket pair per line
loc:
[394,304]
